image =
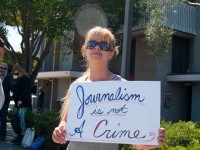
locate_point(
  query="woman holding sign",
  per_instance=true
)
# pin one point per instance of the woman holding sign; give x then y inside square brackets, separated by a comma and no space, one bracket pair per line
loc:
[99,48]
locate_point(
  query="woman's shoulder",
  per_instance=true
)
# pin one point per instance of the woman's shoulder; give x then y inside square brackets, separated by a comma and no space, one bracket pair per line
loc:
[118,78]
[24,80]
[83,78]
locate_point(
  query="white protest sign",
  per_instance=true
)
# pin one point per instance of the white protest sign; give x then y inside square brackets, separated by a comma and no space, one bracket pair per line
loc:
[114,112]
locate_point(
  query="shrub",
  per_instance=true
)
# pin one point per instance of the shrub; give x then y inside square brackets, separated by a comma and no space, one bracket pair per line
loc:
[29,117]
[44,124]
[181,135]
[126,147]
[10,113]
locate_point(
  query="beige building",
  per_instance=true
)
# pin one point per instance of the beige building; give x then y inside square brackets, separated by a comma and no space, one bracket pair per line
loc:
[178,70]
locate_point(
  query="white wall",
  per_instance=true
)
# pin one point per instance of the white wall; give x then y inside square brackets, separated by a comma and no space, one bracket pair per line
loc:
[63,85]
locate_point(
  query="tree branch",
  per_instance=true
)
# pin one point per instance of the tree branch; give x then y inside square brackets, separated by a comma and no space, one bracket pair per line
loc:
[38,44]
[15,20]
[41,60]
[191,3]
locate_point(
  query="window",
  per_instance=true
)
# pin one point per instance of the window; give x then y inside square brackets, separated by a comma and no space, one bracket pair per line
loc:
[180,55]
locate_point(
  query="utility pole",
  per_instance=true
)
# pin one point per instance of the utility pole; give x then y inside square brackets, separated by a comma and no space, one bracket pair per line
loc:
[125,67]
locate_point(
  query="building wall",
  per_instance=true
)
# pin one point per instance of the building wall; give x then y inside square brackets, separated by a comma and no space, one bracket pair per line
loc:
[178,108]
[48,63]
[78,63]
[196,68]
[147,68]
[163,67]
[180,103]
[63,85]
[195,102]
[46,85]
[65,62]
[145,65]
[66,56]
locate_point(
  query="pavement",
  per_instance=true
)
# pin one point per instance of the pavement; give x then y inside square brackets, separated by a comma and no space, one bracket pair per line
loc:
[7,145]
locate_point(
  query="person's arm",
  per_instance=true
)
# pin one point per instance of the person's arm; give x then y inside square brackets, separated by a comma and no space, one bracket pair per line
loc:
[161,140]
[25,94]
[145,147]
[2,96]
[59,132]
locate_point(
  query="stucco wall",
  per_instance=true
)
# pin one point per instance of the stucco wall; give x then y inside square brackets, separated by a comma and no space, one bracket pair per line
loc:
[196,102]
[145,65]
[63,85]
[147,68]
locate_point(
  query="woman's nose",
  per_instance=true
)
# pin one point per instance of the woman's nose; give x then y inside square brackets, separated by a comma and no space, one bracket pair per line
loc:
[97,47]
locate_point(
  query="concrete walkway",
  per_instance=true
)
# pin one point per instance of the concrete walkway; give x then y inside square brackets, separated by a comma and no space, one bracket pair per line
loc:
[7,145]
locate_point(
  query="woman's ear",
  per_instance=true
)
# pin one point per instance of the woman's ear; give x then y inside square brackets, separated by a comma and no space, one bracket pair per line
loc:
[84,53]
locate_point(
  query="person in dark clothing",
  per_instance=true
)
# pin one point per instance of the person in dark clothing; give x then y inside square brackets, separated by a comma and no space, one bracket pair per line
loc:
[15,84]
[3,50]
[22,97]
[6,81]
[40,98]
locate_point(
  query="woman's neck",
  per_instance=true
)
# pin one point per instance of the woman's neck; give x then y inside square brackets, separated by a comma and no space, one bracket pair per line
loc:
[99,73]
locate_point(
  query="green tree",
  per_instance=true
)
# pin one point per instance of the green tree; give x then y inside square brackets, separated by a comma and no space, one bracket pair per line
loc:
[159,36]
[35,21]
[115,10]
[39,20]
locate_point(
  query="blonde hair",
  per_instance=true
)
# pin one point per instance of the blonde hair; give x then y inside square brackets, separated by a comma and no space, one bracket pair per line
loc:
[20,69]
[103,34]
[64,108]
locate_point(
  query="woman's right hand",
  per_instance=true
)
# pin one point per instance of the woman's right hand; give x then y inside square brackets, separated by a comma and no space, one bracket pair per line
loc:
[59,133]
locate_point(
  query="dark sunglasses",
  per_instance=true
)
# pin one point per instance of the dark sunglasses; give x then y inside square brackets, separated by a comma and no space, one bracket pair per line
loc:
[17,73]
[3,68]
[104,46]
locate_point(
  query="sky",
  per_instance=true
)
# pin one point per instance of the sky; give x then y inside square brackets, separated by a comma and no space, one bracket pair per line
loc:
[14,38]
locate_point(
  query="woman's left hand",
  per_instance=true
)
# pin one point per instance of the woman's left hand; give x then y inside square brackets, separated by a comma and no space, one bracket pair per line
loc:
[161,136]
[161,140]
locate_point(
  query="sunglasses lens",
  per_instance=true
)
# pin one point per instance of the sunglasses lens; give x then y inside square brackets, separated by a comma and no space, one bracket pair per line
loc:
[103,45]
[91,44]
[16,73]
[3,68]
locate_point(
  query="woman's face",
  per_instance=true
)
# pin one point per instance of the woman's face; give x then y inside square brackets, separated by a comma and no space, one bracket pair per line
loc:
[16,74]
[98,51]
[3,69]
